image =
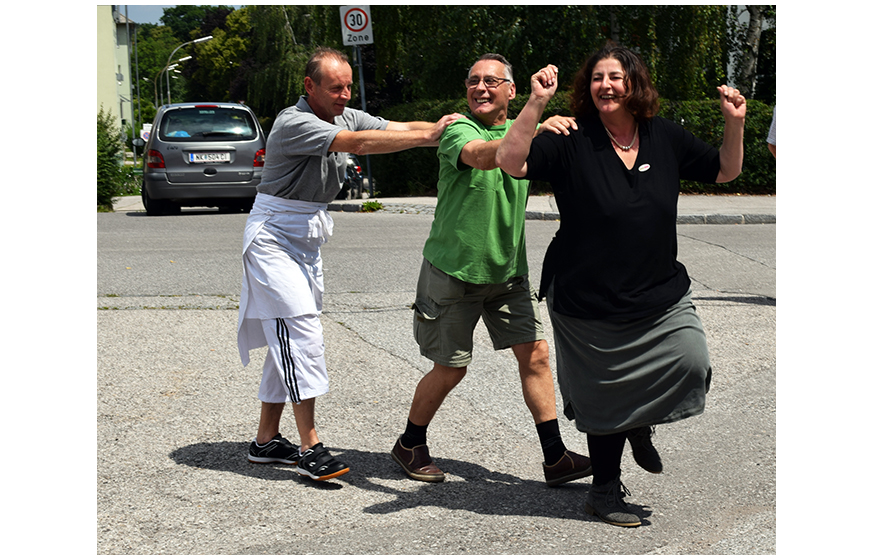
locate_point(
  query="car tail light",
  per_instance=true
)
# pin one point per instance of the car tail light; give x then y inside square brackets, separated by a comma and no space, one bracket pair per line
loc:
[155,160]
[357,169]
[259,157]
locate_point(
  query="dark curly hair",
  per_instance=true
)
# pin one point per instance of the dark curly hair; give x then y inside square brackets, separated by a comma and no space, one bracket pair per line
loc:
[642,100]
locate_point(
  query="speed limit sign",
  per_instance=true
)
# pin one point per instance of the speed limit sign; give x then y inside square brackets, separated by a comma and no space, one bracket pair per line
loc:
[356,25]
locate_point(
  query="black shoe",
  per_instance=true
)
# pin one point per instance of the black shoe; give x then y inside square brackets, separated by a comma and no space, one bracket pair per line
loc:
[606,501]
[317,463]
[643,449]
[277,450]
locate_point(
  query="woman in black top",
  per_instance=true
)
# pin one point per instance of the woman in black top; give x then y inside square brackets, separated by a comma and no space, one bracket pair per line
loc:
[631,351]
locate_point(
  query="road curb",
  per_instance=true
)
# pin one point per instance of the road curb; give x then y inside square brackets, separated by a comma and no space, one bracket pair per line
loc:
[686,219]
[725,219]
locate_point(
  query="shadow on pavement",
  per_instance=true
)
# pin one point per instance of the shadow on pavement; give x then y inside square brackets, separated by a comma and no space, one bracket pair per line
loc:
[750,300]
[468,486]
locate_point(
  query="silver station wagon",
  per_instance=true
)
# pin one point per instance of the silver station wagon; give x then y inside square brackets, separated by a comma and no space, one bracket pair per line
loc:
[202,154]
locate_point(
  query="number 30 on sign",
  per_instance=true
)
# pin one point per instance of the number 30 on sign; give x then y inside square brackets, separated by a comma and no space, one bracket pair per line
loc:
[356,25]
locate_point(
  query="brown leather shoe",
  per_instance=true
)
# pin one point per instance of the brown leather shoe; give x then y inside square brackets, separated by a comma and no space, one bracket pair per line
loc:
[417,463]
[570,467]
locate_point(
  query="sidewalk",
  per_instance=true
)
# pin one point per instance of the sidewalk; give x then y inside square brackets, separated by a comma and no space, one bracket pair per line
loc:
[692,209]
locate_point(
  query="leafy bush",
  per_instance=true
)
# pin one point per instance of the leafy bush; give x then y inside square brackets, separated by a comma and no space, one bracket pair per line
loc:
[704,120]
[109,153]
[131,180]
[415,172]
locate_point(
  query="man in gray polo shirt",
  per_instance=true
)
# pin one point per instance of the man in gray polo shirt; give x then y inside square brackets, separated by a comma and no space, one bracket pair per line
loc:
[282,283]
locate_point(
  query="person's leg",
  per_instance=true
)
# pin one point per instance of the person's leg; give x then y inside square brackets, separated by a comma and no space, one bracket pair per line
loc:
[537,384]
[431,392]
[605,454]
[445,317]
[446,312]
[269,446]
[411,451]
[560,465]
[316,462]
[270,419]
[295,371]
[511,314]
[304,415]
[605,499]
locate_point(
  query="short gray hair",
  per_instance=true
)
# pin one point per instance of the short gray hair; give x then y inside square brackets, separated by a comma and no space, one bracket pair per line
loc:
[499,58]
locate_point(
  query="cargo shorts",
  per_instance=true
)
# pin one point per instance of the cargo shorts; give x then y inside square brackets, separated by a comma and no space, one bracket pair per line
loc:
[447,311]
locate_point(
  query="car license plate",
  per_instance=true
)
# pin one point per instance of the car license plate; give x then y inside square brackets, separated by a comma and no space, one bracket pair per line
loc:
[208,157]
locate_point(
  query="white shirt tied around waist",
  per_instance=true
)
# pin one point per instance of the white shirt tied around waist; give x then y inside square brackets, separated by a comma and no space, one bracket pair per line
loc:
[286,283]
[267,206]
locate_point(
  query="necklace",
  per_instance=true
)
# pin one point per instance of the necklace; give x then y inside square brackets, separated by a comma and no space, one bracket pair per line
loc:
[625,148]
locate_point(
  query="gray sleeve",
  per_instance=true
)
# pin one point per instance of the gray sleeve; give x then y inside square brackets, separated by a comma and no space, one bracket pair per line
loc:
[304,167]
[355,119]
[307,135]
[771,138]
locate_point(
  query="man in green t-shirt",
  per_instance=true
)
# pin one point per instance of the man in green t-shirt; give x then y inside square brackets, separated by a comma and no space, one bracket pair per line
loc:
[475,266]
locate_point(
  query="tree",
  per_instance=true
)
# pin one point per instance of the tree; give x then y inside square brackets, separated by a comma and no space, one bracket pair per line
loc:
[424,51]
[683,46]
[219,71]
[154,44]
[747,44]
[282,41]
[186,20]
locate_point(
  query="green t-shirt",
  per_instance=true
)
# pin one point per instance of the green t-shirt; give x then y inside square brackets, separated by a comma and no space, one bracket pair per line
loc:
[478,228]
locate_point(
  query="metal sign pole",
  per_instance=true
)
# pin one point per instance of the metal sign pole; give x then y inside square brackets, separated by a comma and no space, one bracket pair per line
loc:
[356,24]
[363,107]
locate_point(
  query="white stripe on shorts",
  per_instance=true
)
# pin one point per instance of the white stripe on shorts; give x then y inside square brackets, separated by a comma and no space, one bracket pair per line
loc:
[294,369]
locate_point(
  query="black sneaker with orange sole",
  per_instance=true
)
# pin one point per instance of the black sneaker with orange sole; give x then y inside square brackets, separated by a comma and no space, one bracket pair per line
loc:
[317,463]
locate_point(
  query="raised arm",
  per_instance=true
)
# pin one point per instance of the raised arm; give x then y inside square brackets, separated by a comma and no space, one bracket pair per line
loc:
[398,136]
[512,153]
[482,154]
[732,151]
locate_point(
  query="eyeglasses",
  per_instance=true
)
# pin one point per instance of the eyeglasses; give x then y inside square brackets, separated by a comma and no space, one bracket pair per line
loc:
[490,82]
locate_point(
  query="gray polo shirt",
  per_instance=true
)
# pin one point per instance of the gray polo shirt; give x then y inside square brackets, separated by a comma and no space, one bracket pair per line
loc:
[299,164]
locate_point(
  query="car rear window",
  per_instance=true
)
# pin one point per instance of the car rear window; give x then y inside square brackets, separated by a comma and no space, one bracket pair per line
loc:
[207,124]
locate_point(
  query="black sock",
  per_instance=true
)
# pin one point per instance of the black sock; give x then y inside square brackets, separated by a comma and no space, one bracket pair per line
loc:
[552,443]
[414,435]
[605,456]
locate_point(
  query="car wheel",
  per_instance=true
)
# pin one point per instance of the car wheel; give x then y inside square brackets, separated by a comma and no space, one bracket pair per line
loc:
[158,207]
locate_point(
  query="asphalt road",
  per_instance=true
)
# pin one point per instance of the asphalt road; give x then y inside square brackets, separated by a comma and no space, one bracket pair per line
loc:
[176,410]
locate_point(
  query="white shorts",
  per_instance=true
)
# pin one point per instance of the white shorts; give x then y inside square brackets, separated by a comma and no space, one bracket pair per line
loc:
[295,369]
[282,272]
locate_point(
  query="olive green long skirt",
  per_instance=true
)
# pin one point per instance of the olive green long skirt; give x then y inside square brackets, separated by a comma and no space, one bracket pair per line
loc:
[618,375]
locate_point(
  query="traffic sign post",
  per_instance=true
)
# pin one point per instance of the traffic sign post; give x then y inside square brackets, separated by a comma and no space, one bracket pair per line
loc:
[356,31]
[356,25]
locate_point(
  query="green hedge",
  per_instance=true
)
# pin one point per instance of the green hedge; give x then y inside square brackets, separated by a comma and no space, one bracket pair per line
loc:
[415,172]
[109,153]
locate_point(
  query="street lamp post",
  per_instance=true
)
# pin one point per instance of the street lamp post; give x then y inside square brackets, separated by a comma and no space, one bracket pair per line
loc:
[162,70]
[200,40]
